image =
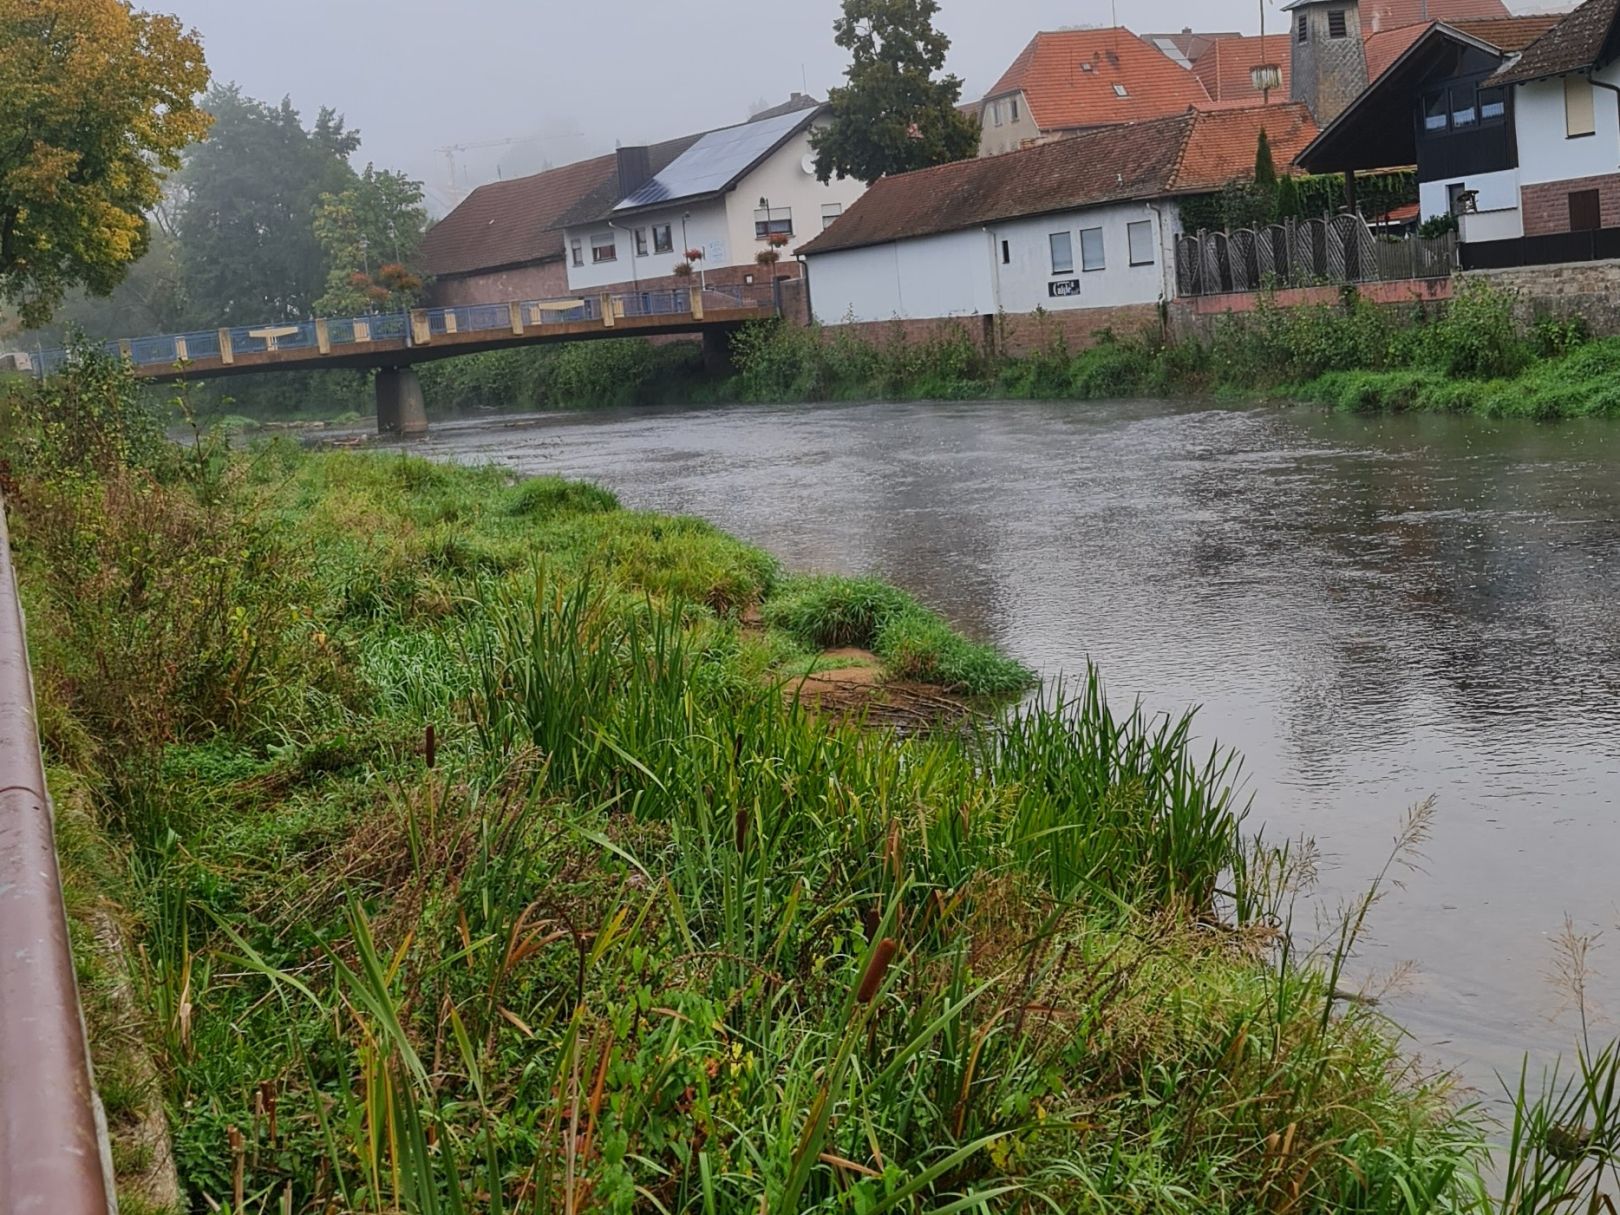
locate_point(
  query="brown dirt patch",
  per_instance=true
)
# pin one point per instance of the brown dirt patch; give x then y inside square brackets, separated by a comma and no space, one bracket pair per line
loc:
[849,684]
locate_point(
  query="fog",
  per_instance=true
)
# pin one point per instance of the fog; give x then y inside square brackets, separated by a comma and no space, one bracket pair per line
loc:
[540,82]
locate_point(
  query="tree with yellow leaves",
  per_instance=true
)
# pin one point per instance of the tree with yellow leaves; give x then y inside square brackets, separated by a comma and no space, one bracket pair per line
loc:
[97,101]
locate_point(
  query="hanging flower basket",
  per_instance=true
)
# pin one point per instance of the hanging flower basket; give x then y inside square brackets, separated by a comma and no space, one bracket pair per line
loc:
[778,240]
[694,255]
[768,257]
[683,269]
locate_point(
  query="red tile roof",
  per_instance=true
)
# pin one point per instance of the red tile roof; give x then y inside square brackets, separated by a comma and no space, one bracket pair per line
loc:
[1193,153]
[1384,48]
[1069,80]
[508,223]
[1224,69]
[1378,16]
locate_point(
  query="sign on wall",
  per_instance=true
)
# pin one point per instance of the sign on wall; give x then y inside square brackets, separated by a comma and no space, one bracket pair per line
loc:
[1063,288]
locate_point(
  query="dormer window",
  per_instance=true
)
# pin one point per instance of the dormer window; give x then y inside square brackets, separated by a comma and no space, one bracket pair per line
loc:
[1338,27]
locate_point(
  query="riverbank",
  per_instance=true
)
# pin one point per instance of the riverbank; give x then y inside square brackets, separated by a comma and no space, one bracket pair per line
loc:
[625,926]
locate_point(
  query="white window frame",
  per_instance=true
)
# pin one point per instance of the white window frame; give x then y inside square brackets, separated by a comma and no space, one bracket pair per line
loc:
[641,242]
[1143,229]
[1062,262]
[663,238]
[772,221]
[604,248]
[831,213]
[995,113]
[577,246]
[1012,110]
[1101,250]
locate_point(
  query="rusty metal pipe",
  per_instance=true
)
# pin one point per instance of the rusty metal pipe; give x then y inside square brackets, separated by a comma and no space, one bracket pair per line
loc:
[51,1158]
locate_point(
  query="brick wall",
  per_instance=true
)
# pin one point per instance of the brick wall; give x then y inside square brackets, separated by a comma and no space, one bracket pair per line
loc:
[1589,290]
[1014,333]
[541,281]
[1546,204]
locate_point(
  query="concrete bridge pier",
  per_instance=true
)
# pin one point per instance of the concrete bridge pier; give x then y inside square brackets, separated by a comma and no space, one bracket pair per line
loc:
[401,408]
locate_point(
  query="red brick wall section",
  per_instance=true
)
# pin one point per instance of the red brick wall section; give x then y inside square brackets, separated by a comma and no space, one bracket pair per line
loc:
[1014,334]
[1546,204]
[543,281]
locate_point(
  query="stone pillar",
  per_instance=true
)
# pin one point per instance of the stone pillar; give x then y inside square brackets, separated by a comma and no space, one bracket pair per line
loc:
[401,408]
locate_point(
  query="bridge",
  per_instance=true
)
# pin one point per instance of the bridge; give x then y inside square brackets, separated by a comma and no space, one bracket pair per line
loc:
[393,344]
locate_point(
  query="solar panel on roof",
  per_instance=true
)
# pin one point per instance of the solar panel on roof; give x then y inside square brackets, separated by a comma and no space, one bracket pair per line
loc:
[714,161]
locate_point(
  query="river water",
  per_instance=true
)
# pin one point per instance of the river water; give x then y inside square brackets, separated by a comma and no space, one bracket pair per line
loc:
[1373,611]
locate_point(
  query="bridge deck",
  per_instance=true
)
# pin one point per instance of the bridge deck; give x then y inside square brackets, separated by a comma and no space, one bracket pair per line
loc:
[405,339]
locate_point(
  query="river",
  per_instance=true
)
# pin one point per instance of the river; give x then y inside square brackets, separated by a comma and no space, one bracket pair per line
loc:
[1373,611]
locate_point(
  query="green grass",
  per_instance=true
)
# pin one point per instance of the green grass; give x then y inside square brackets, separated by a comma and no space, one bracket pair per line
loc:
[477,862]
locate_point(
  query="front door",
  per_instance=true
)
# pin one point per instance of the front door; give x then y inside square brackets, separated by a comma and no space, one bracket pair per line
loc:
[1585,211]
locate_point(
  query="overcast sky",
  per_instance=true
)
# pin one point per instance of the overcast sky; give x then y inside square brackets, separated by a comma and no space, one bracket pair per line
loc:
[565,79]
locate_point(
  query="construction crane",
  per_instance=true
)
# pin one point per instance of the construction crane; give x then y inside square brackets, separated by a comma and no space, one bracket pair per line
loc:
[453,186]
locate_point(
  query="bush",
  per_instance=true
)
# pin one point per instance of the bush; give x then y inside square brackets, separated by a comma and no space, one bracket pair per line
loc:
[1475,337]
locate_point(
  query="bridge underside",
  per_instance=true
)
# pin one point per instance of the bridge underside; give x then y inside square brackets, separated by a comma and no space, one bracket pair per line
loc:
[402,352]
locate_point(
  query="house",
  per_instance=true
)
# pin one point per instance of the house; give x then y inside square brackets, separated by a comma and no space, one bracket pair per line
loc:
[554,234]
[1434,106]
[1081,227]
[1073,80]
[728,193]
[1566,107]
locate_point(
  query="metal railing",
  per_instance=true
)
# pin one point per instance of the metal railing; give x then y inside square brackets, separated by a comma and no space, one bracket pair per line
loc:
[332,335]
[51,1141]
[1334,251]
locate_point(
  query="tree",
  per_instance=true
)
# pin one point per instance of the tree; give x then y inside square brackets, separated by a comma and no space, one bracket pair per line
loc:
[1265,168]
[371,234]
[893,116]
[1288,204]
[246,218]
[97,100]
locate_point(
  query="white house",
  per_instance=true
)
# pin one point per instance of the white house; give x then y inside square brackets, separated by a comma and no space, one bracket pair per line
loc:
[1085,223]
[725,193]
[1566,107]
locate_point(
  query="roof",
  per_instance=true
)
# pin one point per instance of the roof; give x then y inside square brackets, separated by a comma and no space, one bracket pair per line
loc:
[1380,15]
[1503,33]
[508,223]
[1581,40]
[1224,69]
[1384,48]
[798,101]
[1192,153]
[1069,80]
[598,204]
[1186,47]
[717,161]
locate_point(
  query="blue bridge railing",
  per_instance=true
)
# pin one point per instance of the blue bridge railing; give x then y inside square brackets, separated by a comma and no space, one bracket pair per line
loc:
[332,335]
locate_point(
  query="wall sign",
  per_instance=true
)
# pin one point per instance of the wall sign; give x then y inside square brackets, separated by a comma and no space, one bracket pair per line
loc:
[1063,288]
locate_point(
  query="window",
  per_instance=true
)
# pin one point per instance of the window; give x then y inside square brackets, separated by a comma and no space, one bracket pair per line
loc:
[1464,110]
[1585,211]
[1006,253]
[1141,241]
[604,248]
[1337,26]
[578,247]
[995,112]
[830,213]
[663,239]
[1012,109]
[1456,193]
[773,221]
[641,242]
[1304,29]
[1580,109]
[1492,104]
[1435,113]
[1062,253]
[1091,249]
[1120,91]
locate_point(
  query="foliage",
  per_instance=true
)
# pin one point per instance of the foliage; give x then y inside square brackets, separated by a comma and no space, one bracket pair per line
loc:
[1437,226]
[1304,196]
[97,99]
[371,233]
[895,114]
[1288,202]
[1265,168]
[246,222]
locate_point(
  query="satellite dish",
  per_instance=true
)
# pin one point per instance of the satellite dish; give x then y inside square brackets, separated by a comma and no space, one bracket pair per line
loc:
[808,164]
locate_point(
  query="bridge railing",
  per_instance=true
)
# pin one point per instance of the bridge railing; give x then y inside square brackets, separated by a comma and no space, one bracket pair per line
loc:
[331,335]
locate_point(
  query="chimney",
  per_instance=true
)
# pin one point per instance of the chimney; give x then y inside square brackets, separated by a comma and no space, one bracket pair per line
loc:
[635,169]
[1329,55]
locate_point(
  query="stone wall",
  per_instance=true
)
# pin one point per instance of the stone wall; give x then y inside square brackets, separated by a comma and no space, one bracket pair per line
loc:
[1589,290]
[1015,334]
[1546,204]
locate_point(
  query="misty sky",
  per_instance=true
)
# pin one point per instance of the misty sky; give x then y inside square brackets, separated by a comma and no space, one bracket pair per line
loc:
[566,79]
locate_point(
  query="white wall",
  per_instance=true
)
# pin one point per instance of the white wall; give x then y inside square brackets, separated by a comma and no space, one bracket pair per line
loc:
[932,276]
[1008,136]
[1546,153]
[705,227]
[1023,283]
[961,273]
[782,179]
[1499,215]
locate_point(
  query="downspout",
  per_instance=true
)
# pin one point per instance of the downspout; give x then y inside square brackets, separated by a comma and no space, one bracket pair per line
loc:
[1166,273]
[995,285]
[635,274]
